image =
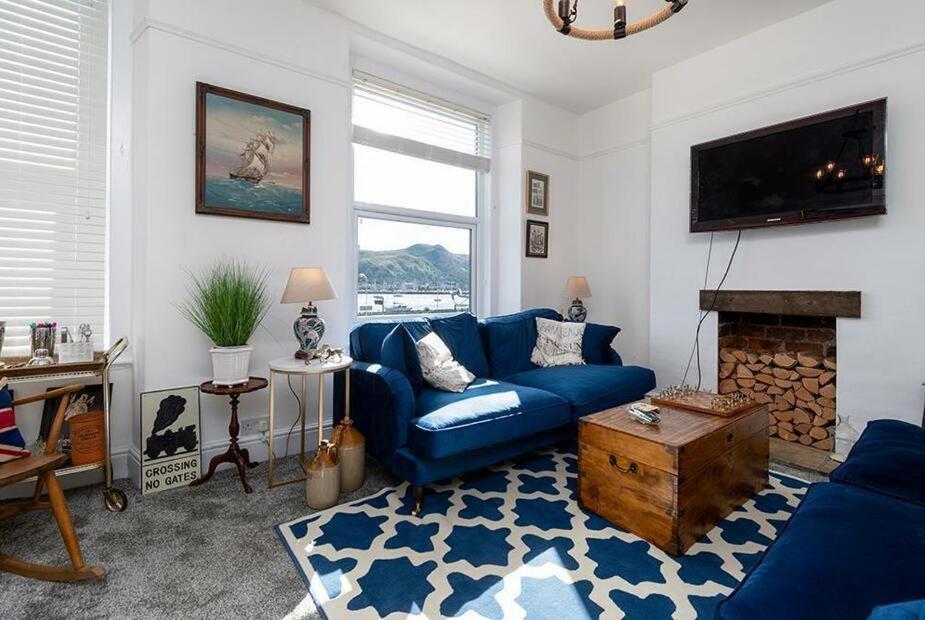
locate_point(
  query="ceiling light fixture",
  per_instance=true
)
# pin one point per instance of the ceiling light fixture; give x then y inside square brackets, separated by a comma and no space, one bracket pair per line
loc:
[563,18]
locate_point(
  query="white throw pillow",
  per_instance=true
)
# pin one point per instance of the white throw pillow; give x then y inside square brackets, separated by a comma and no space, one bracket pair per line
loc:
[438,366]
[558,343]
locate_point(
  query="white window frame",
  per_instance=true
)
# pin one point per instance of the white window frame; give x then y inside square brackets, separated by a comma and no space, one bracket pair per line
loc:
[475,224]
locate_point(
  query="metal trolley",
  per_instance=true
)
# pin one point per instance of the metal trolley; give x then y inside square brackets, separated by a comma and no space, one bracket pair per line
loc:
[100,367]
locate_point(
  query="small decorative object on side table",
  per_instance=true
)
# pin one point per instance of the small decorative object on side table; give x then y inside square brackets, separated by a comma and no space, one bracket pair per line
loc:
[577,288]
[305,286]
[235,455]
[322,479]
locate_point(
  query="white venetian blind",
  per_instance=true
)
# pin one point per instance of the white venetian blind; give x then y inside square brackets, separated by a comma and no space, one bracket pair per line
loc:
[397,119]
[54,66]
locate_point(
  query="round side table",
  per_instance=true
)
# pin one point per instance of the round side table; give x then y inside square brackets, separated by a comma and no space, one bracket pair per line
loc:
[235,455]
[290,366]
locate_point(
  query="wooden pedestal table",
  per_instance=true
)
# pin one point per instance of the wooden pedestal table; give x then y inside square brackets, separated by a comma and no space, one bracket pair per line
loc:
[235,454]
[671,483]
[323,474]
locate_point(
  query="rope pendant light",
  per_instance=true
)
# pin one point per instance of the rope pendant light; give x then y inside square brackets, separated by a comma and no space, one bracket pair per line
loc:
[563,16]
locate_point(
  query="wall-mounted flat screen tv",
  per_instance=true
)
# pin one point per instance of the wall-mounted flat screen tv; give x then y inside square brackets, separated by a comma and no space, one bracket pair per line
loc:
[825,167]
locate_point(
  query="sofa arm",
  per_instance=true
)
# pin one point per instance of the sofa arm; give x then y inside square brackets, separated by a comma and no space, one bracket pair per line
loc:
[381,406]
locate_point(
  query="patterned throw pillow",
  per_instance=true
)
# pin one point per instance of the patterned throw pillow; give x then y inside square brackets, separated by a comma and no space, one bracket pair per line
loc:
[558,343]
[12,444]
[438,366]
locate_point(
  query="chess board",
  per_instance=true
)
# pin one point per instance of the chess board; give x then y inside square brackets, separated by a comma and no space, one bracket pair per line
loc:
[702,402]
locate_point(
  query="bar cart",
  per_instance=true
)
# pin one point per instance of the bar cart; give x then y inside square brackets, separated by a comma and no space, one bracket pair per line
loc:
[17,372]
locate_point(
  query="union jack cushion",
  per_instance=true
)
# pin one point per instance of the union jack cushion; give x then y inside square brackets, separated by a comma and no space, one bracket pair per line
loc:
[12,444]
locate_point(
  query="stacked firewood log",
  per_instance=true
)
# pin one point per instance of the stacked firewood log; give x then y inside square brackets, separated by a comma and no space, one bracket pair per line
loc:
[798,389]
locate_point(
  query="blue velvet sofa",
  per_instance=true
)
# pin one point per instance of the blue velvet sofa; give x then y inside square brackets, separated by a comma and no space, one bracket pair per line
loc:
[424,435]
[855,547]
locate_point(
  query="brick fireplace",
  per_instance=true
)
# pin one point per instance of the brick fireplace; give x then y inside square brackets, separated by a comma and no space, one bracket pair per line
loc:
[788,363]
[780,348]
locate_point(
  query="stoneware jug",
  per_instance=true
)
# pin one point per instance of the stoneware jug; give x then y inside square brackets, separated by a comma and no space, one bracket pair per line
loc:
[351,451]
[322,485]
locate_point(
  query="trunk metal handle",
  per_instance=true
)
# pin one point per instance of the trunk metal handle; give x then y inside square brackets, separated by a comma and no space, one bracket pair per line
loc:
[632,469]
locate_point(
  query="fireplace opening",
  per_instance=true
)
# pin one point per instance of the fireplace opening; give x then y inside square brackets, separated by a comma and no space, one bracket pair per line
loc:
[788,363]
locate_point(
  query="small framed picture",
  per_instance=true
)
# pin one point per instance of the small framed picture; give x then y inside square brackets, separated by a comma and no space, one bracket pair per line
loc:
[537,239]
[537,193]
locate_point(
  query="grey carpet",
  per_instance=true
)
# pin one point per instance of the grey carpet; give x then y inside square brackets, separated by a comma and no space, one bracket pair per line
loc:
[204,552]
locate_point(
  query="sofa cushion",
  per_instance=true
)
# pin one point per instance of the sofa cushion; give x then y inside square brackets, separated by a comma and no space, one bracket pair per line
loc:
[12,444]
[399,352]
[366,339]
[591,388]
[461,335]
[888,458]
[558,343]
[596,344]
[909,610]
[509,340]
[489,412]
[844,552]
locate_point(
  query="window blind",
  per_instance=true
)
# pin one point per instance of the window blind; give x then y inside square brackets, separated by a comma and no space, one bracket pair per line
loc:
[394,118]
[54,72]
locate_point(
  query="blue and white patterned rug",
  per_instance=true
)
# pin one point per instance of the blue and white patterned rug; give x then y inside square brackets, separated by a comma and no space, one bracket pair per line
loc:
[512,542]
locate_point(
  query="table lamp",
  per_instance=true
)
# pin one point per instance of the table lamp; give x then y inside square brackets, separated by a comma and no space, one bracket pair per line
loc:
[577,288]
[307,285]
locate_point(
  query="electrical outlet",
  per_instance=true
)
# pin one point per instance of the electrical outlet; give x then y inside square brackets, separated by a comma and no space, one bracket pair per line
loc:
[254,426]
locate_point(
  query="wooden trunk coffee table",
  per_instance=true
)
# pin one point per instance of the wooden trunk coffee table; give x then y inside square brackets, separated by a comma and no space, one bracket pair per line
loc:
[674,482]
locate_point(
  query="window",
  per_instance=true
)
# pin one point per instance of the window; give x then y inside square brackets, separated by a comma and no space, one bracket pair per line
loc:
[54,65]
[418,167]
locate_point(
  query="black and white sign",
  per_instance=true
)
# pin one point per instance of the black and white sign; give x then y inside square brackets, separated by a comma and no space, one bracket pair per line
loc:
[170,439]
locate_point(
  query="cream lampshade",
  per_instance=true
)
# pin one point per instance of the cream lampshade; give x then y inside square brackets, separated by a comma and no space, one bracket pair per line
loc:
[577,288]
[307,285]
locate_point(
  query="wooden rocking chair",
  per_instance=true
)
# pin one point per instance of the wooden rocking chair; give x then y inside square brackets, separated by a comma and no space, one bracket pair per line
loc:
[43,466]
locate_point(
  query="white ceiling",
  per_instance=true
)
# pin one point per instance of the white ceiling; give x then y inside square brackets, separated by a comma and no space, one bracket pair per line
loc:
[511,41]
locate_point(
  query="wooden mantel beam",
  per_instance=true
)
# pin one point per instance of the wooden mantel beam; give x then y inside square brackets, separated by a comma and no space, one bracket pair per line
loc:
[843,304]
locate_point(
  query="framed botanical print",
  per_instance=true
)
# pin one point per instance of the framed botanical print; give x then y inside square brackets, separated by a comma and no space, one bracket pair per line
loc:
[537,239]
[252,156]
[537,193]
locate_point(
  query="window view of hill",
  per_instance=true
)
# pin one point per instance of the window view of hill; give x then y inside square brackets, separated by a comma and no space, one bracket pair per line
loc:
[420,267]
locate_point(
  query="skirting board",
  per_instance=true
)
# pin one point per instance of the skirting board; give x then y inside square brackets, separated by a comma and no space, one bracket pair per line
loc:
[254,444]
[126,462]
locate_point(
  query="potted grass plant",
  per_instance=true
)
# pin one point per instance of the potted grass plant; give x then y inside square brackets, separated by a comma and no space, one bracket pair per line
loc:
[227,302]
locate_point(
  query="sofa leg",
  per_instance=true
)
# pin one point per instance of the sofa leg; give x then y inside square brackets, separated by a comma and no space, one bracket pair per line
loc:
[418,496]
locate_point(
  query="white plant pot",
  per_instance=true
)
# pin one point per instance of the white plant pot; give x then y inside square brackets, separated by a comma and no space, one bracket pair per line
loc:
[231,365]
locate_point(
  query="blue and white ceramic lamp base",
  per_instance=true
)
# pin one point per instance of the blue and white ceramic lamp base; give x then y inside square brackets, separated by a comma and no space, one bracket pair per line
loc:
[577,313]
[309,330]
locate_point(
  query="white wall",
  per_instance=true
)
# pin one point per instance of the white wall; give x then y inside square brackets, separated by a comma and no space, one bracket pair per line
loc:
[298,54]
[290,53]
[615,220]
[550,146]
[646,268]
[842,53]
[619,189]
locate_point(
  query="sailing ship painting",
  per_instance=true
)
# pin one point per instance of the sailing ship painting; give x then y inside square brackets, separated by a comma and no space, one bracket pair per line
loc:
[255,158]
[252,156]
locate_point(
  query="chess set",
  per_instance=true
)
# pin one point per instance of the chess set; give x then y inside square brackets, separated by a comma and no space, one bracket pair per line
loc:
[702,401]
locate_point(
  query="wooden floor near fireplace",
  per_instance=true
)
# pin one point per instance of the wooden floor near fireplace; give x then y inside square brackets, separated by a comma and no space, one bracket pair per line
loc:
[801,456]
